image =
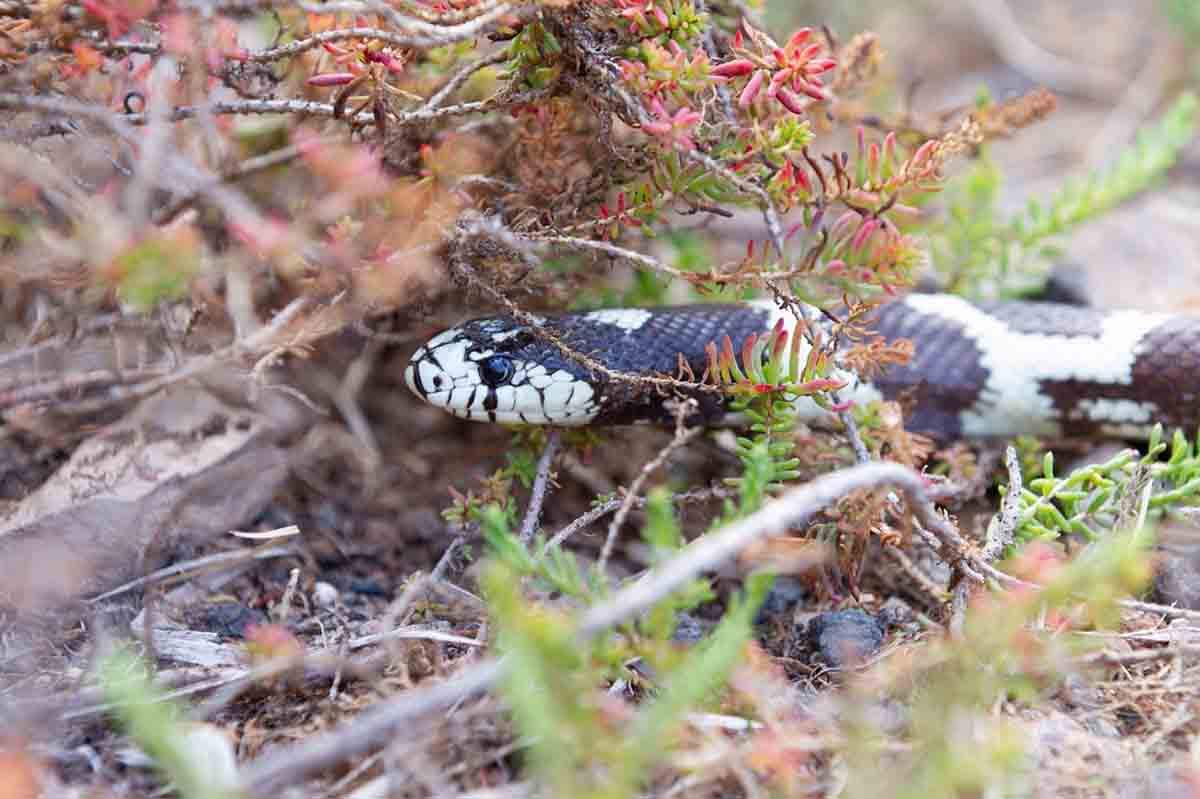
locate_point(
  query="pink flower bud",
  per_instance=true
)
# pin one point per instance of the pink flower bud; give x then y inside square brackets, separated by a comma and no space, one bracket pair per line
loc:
[810,52]
[790,101]
[924,152]
[799,37]
[781,341]
[778,79]
[748,351]
[752,88]
[844,221]
[824,384]
[733,69]
[812,90]
[864,233]
[802,179]
[332,79]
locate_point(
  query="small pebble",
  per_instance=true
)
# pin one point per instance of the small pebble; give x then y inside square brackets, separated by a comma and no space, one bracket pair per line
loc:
[896,613]
[229,619]
[1177,577]
[324,594]
[845,638]
[688,629]
[784,595]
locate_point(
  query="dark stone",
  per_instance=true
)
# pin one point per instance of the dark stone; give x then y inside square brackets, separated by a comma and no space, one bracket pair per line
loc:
[896,613]
[688,630]
[844,638]
[366,586]
[1068,285]
[229,619]
[784,594]
[1177,578]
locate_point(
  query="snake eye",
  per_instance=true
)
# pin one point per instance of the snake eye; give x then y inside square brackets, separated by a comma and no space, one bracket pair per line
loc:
[496,370]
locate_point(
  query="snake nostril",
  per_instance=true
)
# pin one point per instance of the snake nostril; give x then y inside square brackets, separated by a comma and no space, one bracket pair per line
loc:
[437,381]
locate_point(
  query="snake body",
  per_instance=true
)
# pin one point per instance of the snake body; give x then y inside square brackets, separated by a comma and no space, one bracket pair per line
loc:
[1000,369]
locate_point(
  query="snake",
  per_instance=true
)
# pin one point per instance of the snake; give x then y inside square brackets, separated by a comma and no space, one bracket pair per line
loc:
[978,370]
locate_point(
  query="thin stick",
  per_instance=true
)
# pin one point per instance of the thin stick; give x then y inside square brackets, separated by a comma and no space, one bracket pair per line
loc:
[595,514]
[624,253]
[1141,655]
[375,726]
[222,560]
[400,612]
[922,580]
[462,76]
[793,509]
[683,435]
[423,35]
[1165,610]
[861,455]
[1004,528]
[609,505]
[537,496]
[248,167]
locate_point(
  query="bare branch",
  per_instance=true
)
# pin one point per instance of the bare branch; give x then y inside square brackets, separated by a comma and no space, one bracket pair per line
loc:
[537,496]
[592,516]
[461,77]
[683,435]
[424,35]
[1004,527]
[368,731]
[638,258]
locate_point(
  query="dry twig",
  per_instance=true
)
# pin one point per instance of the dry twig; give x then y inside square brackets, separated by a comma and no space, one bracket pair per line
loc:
[537,496]
[683,435]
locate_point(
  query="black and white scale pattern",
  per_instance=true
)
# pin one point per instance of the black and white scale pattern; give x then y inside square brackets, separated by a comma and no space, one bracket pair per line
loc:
[978,371]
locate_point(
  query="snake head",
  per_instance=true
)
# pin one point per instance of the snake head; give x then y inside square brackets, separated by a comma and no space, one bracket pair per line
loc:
[498,370]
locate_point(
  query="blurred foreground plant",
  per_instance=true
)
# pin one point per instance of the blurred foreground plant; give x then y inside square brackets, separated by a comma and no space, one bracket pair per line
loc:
[196,758]
[1094,499]
[981,254]
[1014,646]
[585,741]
